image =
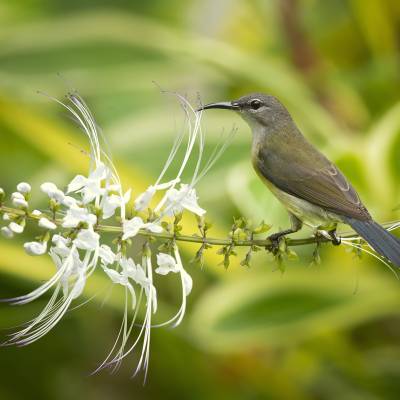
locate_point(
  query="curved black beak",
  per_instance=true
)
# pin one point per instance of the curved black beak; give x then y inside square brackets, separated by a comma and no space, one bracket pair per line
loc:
[226,105]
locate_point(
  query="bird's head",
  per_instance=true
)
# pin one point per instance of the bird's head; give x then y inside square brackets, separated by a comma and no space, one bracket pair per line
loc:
[257,109]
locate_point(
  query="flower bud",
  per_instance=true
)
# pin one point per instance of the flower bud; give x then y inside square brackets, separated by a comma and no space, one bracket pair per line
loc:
[2,195]
[19,203]
[35,248]
[48,188]
[7,232]
[24,187]
[52,191]
[18,200]
[17,195]
[47,224]
[16,228]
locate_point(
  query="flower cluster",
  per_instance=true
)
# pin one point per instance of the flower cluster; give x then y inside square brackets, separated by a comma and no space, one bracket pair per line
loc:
[70,235]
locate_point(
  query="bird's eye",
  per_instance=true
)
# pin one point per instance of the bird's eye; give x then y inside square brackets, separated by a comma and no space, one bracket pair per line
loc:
[255,104]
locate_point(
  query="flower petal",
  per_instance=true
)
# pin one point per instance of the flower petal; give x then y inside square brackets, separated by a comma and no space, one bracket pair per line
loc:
[106,255]
[24,187]
[187,282]
[131,227]
[153,227]
[166,264]
[47,224]
[35,248]
[87,239]
[77,183]
[143,200]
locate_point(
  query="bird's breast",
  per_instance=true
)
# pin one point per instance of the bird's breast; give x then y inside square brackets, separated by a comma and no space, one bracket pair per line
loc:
[310,214]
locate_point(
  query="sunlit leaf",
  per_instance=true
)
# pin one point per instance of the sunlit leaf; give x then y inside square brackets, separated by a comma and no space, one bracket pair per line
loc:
[270,309]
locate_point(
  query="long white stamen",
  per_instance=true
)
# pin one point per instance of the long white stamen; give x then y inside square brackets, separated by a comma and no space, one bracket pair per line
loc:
[359,247]
[77,250]
[175,147]
[41,289]
[193,133]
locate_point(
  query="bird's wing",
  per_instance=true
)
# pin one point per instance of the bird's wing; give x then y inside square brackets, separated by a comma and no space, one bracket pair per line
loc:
[312,177]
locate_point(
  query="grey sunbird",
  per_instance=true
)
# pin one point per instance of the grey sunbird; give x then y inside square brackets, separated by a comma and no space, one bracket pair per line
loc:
[311,187]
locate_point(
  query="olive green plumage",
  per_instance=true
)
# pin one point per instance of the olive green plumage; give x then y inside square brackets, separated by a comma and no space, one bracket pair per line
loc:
[312,188]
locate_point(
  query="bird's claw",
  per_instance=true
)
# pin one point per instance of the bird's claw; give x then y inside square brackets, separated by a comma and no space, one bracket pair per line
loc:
[275,240]
[336,240]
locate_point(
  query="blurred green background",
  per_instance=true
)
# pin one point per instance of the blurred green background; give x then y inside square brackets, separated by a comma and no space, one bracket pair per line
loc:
[323,332]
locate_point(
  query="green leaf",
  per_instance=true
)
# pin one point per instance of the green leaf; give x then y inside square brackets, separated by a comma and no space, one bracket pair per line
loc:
[269,310]
[262,228]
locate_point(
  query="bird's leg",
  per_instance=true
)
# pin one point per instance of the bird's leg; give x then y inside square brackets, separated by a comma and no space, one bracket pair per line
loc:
[275,238]
[335,239]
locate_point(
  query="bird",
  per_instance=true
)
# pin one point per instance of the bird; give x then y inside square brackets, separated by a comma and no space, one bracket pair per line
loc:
[312,188]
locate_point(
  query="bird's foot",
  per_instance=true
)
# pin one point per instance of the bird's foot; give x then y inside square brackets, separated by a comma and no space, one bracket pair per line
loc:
[336,240]
[319,237]
[275,240]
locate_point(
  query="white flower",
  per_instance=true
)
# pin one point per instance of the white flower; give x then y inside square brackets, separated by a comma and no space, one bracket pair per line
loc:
[72,267]
[47,224]
[116,277]
[87,239]
[101,191]
[114,187]
[20,203]
[187,282]
[77,183]
[6,217]
[121,279]
[60,239]
[131,227]
[52,191]
[35,248]
[24,187]
[106,255]
[17,195]
[143,200]
[75,215]
[79,285]
[166,264]
[69,201]
[184,198]
[7,232]
[112,202]
[16,228]
[134,271]
[19,200]
[48,188]
[137,274]
[153,227]
[61,247]
[90,187]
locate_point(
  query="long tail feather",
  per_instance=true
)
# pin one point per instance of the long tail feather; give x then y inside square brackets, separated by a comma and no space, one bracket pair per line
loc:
[379,238]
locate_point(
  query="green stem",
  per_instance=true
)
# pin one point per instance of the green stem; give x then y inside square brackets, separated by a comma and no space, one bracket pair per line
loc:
[192,239]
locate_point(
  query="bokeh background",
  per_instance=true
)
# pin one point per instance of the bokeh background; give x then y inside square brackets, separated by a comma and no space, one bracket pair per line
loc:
[315,332]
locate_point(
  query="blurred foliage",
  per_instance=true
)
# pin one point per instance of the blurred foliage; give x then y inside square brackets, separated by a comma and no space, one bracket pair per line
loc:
[324,332]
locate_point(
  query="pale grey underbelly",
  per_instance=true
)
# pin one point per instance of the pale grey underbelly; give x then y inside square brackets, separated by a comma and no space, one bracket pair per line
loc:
[310,214]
